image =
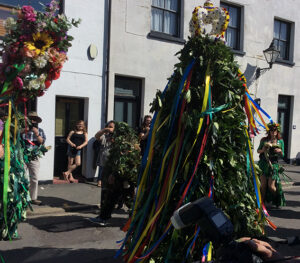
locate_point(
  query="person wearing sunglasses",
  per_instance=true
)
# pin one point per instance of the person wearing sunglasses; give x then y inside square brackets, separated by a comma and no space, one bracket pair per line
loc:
[270,149]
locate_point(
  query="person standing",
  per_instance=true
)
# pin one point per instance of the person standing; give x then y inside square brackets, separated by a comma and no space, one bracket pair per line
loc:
[33,137]
[77,140]
[104,137]
[270,149]
[144,132]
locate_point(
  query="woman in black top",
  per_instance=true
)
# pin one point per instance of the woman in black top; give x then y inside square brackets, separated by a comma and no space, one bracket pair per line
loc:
[77,139]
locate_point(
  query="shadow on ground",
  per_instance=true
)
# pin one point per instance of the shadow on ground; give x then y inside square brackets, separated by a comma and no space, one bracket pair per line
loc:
[57,202]
[57,224]
[284,213]
[59,255]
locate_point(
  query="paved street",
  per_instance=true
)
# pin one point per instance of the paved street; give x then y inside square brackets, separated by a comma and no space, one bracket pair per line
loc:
[59,232]
[287,219]
[64,237]
[53,233]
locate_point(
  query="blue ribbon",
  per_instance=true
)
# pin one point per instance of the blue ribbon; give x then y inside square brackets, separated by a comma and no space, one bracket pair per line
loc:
[190,246]
[260,124]
[156,243]
[257,106]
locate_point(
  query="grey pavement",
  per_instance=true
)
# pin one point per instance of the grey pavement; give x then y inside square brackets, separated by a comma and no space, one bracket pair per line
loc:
[59,229]
[287,218]
[81,196]
[67,197]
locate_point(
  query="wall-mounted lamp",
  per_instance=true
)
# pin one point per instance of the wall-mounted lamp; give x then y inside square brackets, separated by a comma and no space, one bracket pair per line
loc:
[271,54]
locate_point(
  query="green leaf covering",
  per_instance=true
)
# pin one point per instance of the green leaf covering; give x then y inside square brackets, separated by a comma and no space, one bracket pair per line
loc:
[124,157]
[224,155]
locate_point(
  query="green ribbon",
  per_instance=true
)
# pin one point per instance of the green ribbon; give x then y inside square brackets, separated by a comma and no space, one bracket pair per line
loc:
[11,76]
[6,163]
[214,110]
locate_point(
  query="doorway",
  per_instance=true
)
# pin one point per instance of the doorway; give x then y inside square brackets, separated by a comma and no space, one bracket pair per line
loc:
[283,117]
[67,112]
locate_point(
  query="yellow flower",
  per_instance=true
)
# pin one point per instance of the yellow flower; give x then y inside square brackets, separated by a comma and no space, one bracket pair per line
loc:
[41,41]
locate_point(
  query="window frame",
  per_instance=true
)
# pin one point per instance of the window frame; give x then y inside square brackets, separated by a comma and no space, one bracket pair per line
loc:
[180,25]
[290,47]
[240,28]
[128,99]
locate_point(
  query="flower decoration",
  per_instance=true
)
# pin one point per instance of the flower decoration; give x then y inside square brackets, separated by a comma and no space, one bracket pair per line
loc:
[41,42]
[273,125]
[209,20]
[35,49]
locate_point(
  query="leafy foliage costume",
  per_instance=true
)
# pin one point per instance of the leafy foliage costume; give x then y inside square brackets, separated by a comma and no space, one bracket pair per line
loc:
[35,48]
[268,163]
[197,147]
[122,164]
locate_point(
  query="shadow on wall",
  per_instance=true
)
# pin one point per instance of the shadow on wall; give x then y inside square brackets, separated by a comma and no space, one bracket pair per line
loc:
[250,74]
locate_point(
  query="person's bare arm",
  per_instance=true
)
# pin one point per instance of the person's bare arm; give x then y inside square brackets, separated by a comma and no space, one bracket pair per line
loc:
[68,139]
[144,136]
[38,136]
[103,131]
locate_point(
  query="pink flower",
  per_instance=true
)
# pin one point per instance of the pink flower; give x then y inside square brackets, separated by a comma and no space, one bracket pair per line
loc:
[18,83]
[25,38]
[28,53]
[57,59]
[28,13]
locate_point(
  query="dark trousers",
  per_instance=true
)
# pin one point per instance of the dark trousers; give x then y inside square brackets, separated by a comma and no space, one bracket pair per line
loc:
[110,195]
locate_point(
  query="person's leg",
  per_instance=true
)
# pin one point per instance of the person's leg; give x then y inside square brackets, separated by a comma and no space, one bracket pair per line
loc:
[109,199]
[99,179]
[263,186]
[271,185]
[77,162]
[33,168]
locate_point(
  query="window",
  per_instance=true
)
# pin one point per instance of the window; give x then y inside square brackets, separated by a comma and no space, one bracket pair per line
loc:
[165,17]
[282,38]
[34,3]
[127,100]
[233,33]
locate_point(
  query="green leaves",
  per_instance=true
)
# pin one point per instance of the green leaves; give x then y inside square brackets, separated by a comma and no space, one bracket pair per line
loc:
[225,150]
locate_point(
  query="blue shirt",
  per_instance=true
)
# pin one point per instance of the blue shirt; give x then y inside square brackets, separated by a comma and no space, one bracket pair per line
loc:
[31,139]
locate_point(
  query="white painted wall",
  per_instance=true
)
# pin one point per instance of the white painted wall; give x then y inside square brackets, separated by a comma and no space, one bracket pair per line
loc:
[133,54]
[80,78]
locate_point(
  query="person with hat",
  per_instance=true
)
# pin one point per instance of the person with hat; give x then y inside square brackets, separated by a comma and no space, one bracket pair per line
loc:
[270,149]
[33,137]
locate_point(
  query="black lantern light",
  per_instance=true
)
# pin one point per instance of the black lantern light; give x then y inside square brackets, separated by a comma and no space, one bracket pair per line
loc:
[271,54]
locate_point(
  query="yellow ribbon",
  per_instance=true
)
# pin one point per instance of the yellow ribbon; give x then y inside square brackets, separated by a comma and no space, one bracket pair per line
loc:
[255,174]
[209,253]
[144,176]
[204,106]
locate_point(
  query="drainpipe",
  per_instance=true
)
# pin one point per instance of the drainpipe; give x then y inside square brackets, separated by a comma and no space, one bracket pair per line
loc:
[107,59]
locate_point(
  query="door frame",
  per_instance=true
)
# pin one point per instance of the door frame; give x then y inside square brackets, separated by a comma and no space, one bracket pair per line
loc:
[62,139]
[287,111]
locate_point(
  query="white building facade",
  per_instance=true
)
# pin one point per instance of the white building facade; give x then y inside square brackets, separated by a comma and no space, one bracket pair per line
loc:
[146,34]
[124,51]
[78,93]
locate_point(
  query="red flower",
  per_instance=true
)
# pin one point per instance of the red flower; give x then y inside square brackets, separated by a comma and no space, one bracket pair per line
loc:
[53,74]
[48,84]
[40,93]
[55,20]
